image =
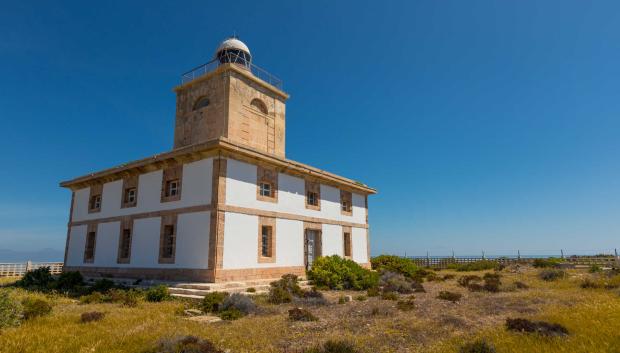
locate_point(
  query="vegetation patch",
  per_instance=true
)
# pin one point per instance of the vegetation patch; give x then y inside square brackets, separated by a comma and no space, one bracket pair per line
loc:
[333,347]
[10,310]
[406,304]
[389,296]
[551,274]
[395,282]
[540,327]
[396,264]
[212,302]
[91,316]
[35,307]
[479,346]
[449,296]
[521,285]
[299,314]
[476,266]
[465,281]
[547,263]
[240,302]
[335,272]
[187,344]
[158,293]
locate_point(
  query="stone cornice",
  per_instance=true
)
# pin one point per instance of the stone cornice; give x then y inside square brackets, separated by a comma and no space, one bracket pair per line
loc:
[222,147]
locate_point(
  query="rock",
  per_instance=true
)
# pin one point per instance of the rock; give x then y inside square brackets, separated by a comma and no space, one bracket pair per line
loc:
[348,298]
[206,319]
[193,312]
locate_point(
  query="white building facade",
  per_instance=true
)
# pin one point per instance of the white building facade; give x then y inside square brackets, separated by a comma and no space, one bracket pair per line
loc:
[224,204]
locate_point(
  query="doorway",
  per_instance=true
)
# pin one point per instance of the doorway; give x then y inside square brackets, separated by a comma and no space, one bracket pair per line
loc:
[312,246]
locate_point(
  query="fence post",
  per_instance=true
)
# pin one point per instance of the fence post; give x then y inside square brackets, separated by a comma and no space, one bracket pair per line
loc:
[28,265]
[453,258]
[518,255]
[616,252]
[428,260]
[483,254]
[562,253]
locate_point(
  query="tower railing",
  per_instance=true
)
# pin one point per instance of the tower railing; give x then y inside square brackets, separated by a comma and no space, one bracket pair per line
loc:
[215,63]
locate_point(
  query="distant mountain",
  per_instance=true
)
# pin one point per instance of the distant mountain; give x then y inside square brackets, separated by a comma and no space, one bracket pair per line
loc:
[43,255]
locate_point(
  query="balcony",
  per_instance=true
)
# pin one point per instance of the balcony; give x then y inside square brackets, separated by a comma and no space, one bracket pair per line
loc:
[204,69]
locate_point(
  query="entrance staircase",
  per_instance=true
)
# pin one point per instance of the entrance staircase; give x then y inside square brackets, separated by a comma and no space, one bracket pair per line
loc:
[199,290]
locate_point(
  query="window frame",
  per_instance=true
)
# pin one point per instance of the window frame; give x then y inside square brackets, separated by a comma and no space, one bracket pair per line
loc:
[265,189]
[170,175]
[125,225]
[313,187]
[269,224]
[90,251]
[347,243]
[346,203]
[267,175]
[130,183]
[95,198]
[168,222]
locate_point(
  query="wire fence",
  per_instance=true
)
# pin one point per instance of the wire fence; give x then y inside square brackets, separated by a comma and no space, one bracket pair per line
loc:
[20,268]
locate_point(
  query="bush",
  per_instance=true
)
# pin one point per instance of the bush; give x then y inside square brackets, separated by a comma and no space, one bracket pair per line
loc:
[395,282]
[389,296]
[595,269]
[127,298]
[41,279]
[68,281]
[448,276]
[450,296]
[476,266]
[91,316]
[373,292]
[102,285]
[397,264]
[251,290]
[231,314]
[551,274]
[92,298]
[290,283]
[10,310]
[333,347]
[521,285]
[589,284]
[361,298]
[406,304]
[299,314]
[212,302]
[465,281]
[540,327]
[34,307]
[158,293]
[545,263]
[279,295]
[475,287]
[479,346]
[240,302]
[312,297]
[187,344]
[492,282]
[335,272]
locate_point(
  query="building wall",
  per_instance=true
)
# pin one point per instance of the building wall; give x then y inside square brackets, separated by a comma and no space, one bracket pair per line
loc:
[196,190]
[332,240]
[359,245]
[241,191]
[192,243]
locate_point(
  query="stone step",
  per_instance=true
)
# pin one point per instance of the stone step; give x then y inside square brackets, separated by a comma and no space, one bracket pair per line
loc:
[228,286]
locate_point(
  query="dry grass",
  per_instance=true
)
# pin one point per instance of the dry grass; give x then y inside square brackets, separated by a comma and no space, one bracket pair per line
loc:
[592,317]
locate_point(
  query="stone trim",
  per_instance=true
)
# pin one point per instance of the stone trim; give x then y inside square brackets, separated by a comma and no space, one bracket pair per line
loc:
[269,222]
[346,196]
[368,245]
[218,217]
[218,147]
[344,241]
[95,190]
[92,228]
[315,187]
[168,220]
[290,216]
[269,176]
[152,214]
[158,273]
[170,174]
[126,223]
[129,183]
[69,228]
[248,274]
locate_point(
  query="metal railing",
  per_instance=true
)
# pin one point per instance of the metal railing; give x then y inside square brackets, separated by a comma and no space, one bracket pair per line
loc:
[444,261]
[215,63]
[19,269]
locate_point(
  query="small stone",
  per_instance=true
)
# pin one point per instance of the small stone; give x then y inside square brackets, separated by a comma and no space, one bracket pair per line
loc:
[348,298]
[206,319]
[192,312]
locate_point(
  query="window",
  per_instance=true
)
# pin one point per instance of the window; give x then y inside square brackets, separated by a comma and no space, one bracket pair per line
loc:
[345,203]
[201,103]
[347,244]
[259,105]
[125,244]
[313,198]
[266,245]
[265,189]
[172,188]
[167,251]
[130,196]
[89,251]
[95,202]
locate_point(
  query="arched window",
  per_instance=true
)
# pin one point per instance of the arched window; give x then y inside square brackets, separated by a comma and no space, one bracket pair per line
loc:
[258,104]
[201,103]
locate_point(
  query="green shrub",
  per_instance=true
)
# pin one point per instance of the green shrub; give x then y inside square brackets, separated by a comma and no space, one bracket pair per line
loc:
[395,282]
[289,283]
[333,347]
[465,281]
[212,302]
[91,316]
[342,299]
[406,304]
[92,298]
[312,297]
[595,269]
[361,298]
[68,281]
[389,296]
[479,346]
[299,314]
[187,344]
[238,301]
[127,298]
[158,293]
[40,279]
[545,263]
[10,310]
[279,295]
[231,314]
[397,264]
[449,296]
[35,307]
[492,282]
[480,265]
[251,290]
[373,292]
[335,272]
[551,274]
[102,285]
[542,328]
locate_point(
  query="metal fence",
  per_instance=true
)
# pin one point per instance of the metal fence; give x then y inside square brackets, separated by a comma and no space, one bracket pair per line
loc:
[445,261]
[214,64]
[19,269]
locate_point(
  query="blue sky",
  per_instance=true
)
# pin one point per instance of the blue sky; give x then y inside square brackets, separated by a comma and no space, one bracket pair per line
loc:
[484,125]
